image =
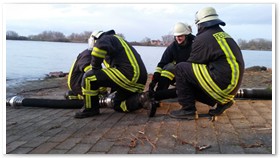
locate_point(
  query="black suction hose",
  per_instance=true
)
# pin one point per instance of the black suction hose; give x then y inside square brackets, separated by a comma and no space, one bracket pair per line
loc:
[16,101]
[254,93]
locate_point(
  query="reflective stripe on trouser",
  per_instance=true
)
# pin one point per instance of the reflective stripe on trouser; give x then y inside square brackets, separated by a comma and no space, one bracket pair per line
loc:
[101,90]
[188,88]
[167,74]
[75,97]
[130,104]
[158,69]
[87,92]
[116,76]
[123,106]
[168,71]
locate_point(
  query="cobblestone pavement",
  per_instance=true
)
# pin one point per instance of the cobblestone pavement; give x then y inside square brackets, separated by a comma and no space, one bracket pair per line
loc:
[246,128]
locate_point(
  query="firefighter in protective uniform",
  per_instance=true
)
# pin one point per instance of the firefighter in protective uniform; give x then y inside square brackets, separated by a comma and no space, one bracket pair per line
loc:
[125,73]
[176,52]
[214,70]
[75,76]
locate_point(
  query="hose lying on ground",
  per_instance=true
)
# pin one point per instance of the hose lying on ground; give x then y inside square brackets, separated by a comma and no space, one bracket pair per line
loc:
[16,101]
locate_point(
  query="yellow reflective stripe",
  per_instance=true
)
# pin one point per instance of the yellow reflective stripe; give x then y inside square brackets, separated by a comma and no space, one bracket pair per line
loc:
[73,97]
[123,106]
[205,86]
[167,74]
[132,59]
[76,97]
[117,81]
[107,65]
[211,83]
[70,75]
[98,52]
[90,92]
[87,97]
[87,68]
[220,37]
[102,89]
[233,65]
[125,80]
[158,69]
[87,92]
[80,97]
[121,83]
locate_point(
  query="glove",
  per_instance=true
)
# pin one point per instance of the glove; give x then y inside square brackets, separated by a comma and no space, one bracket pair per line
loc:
[152,86]
[154,81]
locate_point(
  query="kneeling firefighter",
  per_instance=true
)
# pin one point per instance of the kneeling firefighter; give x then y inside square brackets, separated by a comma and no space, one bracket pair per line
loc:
[76,73]
[124,73]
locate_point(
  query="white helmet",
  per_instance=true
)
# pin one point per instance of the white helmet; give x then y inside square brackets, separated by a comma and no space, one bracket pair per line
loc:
[91,40]
[90,43]
[208,16]
[96,34]
[182,29]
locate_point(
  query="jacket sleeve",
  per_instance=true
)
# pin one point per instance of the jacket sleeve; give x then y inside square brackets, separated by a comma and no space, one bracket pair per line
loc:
[167,57]
[102,48]
[84,60]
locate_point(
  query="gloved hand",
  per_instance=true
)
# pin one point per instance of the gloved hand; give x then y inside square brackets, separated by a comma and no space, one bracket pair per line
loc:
[154,81]
[152,86]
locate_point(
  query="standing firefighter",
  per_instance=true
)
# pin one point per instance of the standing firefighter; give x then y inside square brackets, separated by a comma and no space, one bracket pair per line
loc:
[214,70]
[176,52]
[124,73]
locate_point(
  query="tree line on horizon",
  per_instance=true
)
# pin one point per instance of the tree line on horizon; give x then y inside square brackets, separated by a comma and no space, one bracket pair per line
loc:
[54,36]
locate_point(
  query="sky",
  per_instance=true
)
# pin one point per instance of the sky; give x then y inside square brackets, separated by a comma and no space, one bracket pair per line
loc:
[136,20]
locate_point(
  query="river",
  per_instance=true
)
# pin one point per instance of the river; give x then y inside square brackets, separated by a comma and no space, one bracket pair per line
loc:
[32,60]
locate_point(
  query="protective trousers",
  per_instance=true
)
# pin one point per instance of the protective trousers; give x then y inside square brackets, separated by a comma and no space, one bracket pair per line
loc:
[188,88]
[166,78]
[124,100]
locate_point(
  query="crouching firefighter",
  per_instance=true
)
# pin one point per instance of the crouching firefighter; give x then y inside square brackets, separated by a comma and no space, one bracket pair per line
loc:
[213,72]
[76,73]
[124,73]
[178,51]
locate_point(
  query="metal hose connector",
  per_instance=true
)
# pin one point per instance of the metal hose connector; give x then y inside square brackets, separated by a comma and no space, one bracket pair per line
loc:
[107,101]
[239,94]
[15,101]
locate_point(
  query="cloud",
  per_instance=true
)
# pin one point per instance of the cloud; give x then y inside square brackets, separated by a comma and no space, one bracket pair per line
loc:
[135,21]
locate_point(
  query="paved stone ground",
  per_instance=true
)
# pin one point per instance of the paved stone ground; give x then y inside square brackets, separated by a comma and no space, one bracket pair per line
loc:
[246,128]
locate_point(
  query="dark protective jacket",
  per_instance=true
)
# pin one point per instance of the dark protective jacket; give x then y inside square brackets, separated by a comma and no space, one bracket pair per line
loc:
[217,63]
[175,53]
[124,65]
[79,67]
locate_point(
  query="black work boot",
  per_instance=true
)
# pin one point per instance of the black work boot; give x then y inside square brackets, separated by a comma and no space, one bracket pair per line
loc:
[144,99]
[184,114]
[68,94]
[148,103]
[85,112]
[220,109]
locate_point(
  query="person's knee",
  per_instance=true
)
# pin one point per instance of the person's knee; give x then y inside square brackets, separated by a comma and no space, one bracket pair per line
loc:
[169,67]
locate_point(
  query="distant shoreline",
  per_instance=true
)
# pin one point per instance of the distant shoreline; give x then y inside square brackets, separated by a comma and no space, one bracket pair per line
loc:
[132,43]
